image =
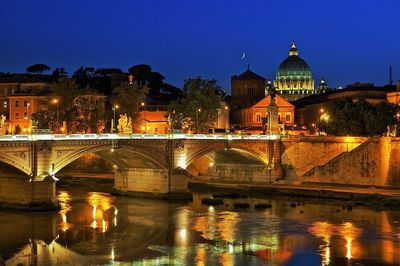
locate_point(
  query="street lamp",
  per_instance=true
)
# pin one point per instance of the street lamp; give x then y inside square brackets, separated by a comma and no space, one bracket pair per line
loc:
[197,120]
[142,104]
[27,115]
[227,119]
[55,101]
[115,107]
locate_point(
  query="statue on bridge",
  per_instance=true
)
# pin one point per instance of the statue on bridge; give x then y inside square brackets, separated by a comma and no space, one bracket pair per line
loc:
[2,120]
[124,124]
[2,124]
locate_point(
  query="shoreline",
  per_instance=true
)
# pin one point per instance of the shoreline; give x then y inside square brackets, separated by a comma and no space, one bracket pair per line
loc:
[354,196]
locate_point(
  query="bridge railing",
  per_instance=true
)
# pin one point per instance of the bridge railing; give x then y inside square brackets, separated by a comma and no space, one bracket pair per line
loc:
[109,136]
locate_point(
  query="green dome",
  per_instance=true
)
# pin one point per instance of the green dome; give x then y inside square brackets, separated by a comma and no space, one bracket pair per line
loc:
[293,67]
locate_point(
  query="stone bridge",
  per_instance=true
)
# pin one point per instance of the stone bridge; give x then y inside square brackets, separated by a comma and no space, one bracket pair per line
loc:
[153,164]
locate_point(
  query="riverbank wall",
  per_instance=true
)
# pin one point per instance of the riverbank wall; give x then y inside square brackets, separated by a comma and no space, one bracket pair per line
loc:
[342,160]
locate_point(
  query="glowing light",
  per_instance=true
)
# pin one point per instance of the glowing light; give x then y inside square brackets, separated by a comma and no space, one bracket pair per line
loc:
[103,226]
[183,233]
[182,161]
[348,249]
[112,254]
[64,217]
[325,117]
[230,248]
[211,164]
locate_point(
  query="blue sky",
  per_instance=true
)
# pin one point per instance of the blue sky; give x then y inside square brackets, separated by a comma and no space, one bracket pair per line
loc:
[343,41]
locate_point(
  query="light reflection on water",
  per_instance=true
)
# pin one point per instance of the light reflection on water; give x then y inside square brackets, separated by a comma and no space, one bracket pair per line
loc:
[96,228]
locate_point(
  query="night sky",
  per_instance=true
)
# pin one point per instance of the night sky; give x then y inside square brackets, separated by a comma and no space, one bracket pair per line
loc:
[343,41]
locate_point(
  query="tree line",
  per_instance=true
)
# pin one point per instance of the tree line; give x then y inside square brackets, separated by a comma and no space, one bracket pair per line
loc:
[83,110]
[360,118]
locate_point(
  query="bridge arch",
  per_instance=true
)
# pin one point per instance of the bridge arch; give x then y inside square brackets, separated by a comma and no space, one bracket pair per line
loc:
[117,156]
[17,156]
[263,157]
[13,162]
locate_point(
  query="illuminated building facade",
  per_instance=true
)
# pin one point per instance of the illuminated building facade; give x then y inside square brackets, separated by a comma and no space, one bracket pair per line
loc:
[293,79]
[255,117]
[21,107]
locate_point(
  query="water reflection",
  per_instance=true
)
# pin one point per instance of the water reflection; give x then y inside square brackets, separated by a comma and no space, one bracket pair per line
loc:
[96,228]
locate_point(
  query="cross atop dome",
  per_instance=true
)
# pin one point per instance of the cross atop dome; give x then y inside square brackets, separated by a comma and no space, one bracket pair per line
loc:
[293,50]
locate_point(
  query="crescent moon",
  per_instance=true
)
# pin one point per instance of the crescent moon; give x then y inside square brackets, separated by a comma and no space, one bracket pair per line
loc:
[243,55]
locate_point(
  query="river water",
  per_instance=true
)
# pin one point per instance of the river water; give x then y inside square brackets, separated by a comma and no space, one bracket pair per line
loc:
[95,228]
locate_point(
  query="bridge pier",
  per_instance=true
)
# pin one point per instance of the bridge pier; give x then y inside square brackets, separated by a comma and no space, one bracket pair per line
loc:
[29,195]
[148,182]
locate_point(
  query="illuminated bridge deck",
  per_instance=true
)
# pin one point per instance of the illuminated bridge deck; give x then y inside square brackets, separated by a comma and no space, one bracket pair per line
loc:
[36,137]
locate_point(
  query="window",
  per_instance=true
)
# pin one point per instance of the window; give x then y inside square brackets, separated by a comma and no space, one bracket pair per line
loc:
[16,115]
[25,115]
[250,91]
[279,118]
[16,103]
[258,117]
[287,117]
[25,103]
[156,130]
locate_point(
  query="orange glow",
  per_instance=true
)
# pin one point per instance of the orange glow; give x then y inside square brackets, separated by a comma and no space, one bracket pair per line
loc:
[201,257]
[226,259]
[64,199]
[100,203]
[349,232]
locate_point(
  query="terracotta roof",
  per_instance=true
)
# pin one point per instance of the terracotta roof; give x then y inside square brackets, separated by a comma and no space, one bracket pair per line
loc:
[280,101]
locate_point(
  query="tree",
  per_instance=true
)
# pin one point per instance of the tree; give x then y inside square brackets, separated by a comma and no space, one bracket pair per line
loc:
[358,118]
[199,104]
[143,75]
[87,112]
[37,68]
[84,76]
[58,73]
[129,98]
[42,119]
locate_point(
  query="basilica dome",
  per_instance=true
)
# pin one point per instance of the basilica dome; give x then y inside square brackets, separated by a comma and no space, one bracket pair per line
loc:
[294,75]
[293,67]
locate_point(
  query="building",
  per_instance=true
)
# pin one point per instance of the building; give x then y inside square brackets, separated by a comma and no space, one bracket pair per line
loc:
[293,78]
[21,107]
[246,89]
[12,84]
[254,119]
[394,96]
[308,110]
[153,122]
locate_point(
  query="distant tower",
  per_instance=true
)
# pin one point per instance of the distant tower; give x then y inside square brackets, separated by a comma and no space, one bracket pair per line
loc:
[390,75]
